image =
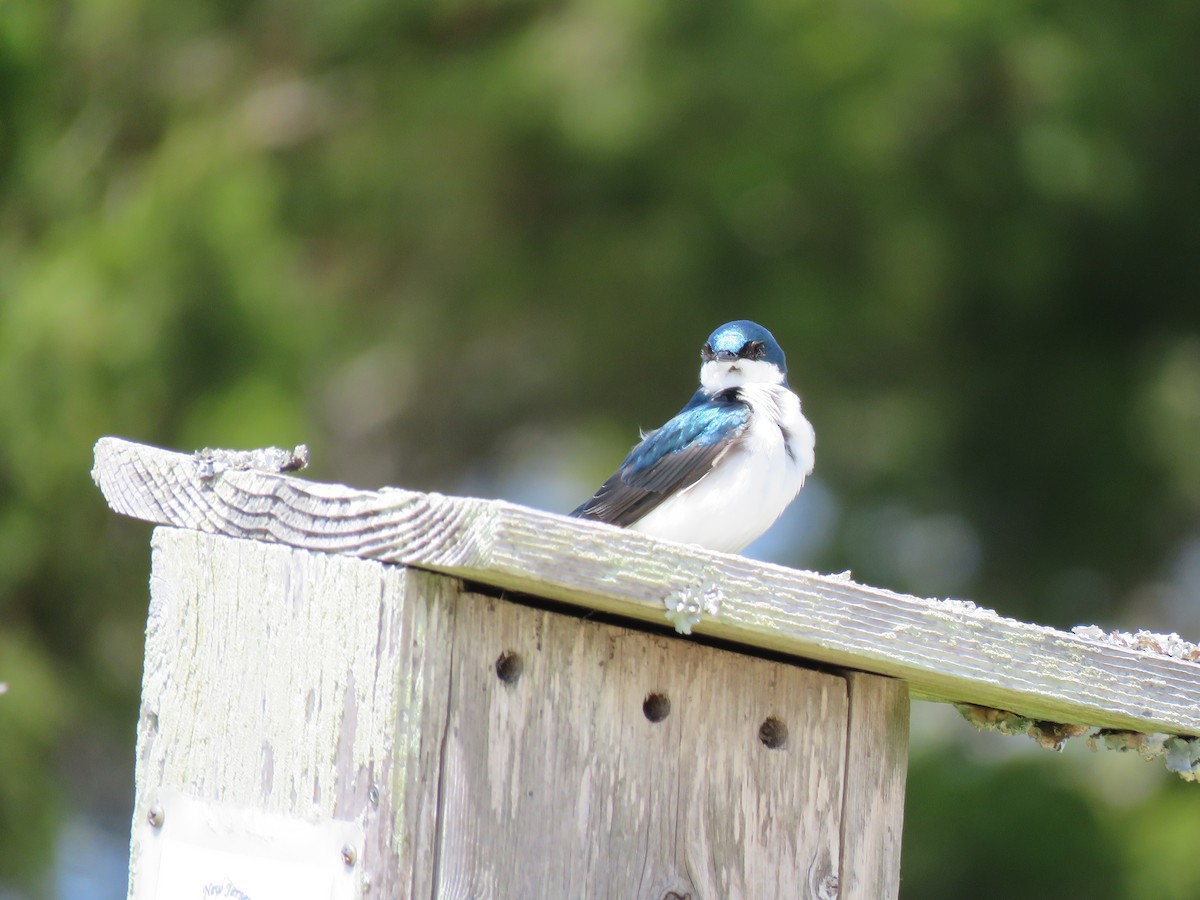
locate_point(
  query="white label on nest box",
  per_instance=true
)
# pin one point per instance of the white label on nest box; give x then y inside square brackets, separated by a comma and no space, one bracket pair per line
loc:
[205,851]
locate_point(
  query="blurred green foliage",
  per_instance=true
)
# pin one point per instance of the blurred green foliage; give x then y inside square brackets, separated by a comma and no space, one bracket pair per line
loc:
[442,240]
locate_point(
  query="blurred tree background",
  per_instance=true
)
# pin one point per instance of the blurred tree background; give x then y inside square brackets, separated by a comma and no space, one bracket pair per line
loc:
[473,245]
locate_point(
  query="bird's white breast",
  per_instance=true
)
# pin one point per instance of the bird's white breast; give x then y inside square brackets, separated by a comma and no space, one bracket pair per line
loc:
[750,485]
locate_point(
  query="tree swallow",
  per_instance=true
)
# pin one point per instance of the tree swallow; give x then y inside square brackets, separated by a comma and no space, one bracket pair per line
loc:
[720,472]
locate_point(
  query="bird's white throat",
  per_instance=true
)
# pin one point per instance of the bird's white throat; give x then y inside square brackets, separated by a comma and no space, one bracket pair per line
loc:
[719,375]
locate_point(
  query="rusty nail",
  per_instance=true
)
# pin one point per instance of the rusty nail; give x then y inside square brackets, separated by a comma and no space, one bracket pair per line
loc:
[155,816]
[349,854]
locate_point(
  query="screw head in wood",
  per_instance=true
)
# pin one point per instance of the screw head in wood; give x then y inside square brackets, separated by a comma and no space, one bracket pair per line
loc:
[155,816]
[373,795]
[349,854]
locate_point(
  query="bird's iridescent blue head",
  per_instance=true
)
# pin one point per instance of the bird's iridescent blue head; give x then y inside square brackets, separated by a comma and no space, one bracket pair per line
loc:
[741,352]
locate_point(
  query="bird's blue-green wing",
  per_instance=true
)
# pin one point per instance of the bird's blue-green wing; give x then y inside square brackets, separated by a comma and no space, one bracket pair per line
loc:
[670,459]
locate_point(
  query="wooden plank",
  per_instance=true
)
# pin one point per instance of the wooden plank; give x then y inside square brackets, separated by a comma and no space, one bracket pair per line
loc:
[291,683]
[876,770]
[946,651]
[556,783]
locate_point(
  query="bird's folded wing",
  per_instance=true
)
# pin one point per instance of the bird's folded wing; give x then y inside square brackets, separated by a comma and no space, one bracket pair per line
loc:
[670,459]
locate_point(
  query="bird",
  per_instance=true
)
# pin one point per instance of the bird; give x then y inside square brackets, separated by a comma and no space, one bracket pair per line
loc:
[726,466]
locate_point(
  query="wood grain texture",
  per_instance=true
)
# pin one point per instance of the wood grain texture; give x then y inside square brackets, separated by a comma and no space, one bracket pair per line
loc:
[296,683]
[943,651]
[321,688]
[876,771]
[557,784]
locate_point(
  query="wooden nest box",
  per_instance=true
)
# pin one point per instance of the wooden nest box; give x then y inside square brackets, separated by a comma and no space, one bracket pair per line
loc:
[389,694]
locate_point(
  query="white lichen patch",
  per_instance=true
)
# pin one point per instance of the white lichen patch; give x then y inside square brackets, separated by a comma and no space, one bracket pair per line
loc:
[967,607]
[1171,645]
[1181,755]
[685,607]
[212,462]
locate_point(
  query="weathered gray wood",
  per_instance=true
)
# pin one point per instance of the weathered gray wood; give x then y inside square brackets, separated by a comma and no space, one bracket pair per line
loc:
[944,651]
[293,683]
[318,688]
[557,784]
[876,770]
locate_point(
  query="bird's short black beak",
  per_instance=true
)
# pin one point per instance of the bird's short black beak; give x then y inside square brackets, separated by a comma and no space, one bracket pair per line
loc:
[725,355]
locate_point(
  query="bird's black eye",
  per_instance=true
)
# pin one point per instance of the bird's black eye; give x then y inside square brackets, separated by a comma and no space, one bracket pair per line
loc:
[706,352]
[754,350]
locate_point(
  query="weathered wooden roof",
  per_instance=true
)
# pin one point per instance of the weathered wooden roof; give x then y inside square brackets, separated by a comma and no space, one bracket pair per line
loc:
[945,650]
